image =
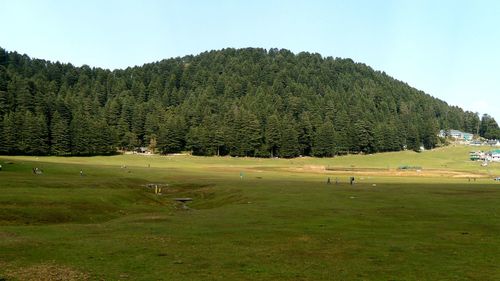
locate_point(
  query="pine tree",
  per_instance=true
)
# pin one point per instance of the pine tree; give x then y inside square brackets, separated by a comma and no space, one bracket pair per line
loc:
[81,135]
[138,121]
[152,143]
[364,136]
[4,104]
[273,134]
[305,134]
[3,147]
[489,127]
[289,144]
[324,140]
[195,141]
[171,135]
[20,89]
[3,57]
[129,141]
[33,136]
[99,93]
[342,129]
[245,135]
[250,134]
[39,136]
[113,110]
[380,141]
[4,98]
[413,138]
[24,120]
[60,135]
[430,132]
[138,91]
[151,123]
[102,136]
[10,134]
[219,140]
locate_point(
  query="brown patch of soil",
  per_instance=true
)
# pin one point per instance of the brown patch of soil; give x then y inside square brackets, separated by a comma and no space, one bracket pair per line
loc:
[385,172]
[46,272]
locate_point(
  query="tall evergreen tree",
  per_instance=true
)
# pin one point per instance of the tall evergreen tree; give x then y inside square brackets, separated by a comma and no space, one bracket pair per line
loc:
[60,135]
[4,98]
[195,140]
[249,133]
[10,133]
[305,134]
[20,89]
[273,134]
[289,146]
[364,136]
[39,136]
[342,129]
[101,136]
[430,132]
[81,134]
[324,140]
[489,127]
[413,138]
[3,145]
[171,135]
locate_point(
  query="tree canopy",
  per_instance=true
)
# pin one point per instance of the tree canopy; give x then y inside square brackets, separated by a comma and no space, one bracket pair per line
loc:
[240,102]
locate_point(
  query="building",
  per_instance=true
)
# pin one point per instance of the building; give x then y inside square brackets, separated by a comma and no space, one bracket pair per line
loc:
[456,134]
[467,136]
[495,155]
[142,150]
[459,135]
[494,142]
[476,143]
[442,134]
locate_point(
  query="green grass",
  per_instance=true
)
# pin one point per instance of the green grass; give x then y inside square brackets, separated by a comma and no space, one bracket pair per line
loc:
[278,223]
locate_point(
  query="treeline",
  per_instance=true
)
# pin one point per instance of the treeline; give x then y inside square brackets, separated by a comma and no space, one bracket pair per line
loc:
[240,102]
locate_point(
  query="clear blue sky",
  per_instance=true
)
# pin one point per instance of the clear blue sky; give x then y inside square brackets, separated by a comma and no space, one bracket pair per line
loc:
[449,49]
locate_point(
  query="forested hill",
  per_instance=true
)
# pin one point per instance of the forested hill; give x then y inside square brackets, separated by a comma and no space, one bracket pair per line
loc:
[252,102]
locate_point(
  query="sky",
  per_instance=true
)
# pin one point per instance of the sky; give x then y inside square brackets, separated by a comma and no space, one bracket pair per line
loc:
[449,49]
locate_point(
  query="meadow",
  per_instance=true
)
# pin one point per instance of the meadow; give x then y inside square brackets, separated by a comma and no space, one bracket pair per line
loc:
[250,218]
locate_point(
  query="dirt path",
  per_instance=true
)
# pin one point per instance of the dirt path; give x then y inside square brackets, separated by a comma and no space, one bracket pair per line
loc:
[385,172]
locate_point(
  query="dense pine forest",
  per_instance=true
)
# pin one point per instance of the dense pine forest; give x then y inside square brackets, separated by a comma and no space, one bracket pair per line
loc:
[239,102]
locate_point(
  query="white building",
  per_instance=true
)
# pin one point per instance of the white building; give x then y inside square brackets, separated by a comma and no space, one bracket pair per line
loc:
[495,155]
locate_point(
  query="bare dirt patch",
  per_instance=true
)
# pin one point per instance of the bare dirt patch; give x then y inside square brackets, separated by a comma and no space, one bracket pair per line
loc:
[385,172]
[46,272]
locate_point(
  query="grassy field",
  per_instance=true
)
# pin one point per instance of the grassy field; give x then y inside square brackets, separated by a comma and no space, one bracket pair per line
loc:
[281,221]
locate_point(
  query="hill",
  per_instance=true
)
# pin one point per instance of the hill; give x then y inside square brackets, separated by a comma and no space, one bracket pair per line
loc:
[239,102]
